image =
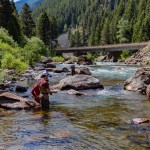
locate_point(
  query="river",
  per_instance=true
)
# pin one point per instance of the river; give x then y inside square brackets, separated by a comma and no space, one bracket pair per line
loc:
[98,121]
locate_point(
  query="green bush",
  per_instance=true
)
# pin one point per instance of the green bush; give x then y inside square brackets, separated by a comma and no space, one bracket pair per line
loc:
[10,62]
[125,54]
[34,50]
[90,56]
[58,59]
[5,38]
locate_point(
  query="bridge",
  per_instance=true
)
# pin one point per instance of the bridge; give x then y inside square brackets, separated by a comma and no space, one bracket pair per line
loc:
[105,48]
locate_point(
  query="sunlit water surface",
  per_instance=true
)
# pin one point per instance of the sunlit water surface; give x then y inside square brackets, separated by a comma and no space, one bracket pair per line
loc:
[98,121]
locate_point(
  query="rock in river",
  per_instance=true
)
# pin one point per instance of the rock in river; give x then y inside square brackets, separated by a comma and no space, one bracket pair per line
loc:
[139,81]
[74,92]
[12,101]
[148,91]
[79,82]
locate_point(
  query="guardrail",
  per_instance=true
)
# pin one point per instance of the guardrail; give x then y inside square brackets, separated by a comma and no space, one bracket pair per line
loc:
[116,47]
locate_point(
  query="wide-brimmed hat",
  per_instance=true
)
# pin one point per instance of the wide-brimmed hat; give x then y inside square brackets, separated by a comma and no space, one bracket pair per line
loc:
[46,73]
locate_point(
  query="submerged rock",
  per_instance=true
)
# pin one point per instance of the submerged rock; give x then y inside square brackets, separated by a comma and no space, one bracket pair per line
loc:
[79,82]
[139,81]
[21,89]
[12,101]
[74,92]
[142,123]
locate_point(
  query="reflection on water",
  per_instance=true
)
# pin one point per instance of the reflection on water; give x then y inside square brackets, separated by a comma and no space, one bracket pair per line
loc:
[97,121]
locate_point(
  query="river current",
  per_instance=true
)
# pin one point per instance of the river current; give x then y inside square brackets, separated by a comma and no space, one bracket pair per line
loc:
[99,120]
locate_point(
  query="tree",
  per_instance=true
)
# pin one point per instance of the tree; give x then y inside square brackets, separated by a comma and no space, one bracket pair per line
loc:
[105,33]
[123,31]
[7,10]
[53,28]
[43,29]
[98,34]
[27,23]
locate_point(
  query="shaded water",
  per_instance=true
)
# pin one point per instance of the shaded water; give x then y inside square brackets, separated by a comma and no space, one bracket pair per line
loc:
[97,121]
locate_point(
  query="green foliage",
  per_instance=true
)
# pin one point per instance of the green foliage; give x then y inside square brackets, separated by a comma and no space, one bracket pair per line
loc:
[9,20]
[5,37]
[90,56]
[123,31]
[10,62]
[107,13]
[34,50]
[27,23]
[58,59]
[125,54]
[43,28]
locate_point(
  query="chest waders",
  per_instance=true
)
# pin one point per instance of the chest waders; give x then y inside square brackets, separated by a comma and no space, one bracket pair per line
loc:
[44,98]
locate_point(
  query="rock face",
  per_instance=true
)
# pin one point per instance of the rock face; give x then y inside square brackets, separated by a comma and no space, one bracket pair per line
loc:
[12,101]
[78,82]
[83,70]
[148,91]
[139,81]
[141,57]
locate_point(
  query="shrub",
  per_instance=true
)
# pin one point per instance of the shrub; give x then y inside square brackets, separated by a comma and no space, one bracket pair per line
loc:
[5,38]
[125,54]
[10,62]
[90,56]
[58,59]
[34,50]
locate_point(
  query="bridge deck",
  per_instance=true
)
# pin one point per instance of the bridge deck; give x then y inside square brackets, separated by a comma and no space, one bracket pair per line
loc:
[117,47]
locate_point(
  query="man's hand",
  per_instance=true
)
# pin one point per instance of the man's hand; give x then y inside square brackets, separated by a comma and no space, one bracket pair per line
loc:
[54,91]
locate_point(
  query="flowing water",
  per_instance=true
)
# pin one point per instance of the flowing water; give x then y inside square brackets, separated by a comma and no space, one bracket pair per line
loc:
[98,121]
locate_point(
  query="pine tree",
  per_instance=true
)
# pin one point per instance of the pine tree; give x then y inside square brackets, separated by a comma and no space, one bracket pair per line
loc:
[8,10]
[98,34]
[27,23]
[43,29]
[53,28]
[123,31]
[105,33]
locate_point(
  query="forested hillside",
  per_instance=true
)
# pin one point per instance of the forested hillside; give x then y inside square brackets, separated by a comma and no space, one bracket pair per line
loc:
[22,41]
[31,3]
[100,21]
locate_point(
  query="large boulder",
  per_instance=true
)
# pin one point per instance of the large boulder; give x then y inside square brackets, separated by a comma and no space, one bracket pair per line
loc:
[78,82]
[139,81]
[83,60]
[51,65]
[61,70]
[47,60]
[102,58]
[12,101]
[148,91]
[83,70]
[141,57]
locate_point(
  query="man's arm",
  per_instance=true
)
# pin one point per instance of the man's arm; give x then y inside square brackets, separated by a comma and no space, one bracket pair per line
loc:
[51,91]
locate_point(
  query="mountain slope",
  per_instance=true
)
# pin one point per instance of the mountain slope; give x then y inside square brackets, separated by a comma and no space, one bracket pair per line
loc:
[32,3]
